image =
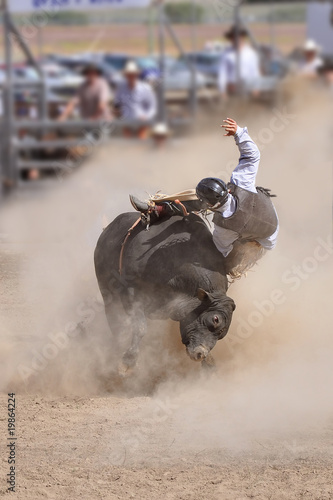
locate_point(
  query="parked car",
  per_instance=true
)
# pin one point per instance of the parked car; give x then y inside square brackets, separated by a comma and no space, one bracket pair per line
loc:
[117,61]
[273,63]
[61,79]
[21,73]
[77,63]
[178,76]
[206,62]
[147,64]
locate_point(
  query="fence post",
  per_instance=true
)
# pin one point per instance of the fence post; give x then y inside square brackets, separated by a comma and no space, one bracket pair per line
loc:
[8,101]
[161,87]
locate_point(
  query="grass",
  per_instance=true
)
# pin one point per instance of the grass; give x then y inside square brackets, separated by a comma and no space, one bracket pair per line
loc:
[133,39]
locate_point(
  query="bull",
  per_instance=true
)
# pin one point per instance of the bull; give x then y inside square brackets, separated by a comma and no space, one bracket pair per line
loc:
[173,271]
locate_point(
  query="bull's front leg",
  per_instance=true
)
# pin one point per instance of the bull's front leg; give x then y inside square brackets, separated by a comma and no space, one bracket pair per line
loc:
[139,329]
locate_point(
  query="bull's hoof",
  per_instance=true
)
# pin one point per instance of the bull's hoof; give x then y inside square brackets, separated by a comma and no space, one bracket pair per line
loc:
[125,370]
[130,357]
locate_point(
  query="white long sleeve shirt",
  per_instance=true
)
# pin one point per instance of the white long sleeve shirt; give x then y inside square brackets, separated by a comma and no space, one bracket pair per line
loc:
[249,66]
[243,176]
[138,103]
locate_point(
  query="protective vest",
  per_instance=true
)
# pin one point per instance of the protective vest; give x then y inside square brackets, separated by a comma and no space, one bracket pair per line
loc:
[255,217]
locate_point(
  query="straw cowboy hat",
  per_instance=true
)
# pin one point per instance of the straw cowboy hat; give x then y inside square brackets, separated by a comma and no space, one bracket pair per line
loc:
[160,130]
[131,68]
[311,46]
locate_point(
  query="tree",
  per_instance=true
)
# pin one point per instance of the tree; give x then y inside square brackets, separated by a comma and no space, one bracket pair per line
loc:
[184,12]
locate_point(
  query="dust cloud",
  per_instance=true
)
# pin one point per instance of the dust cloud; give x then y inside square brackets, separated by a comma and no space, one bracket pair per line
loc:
[274,370]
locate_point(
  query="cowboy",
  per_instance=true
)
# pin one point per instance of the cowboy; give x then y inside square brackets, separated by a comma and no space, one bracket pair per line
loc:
[244,216]
[160,134]
[135,101]
[239,64]
[92,97]
[312,62]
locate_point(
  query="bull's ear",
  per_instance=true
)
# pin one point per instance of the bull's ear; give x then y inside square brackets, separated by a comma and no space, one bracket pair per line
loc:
[202,294]
[232,304]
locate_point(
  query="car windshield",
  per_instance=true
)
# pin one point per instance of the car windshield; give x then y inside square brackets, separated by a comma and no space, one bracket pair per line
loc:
[205,59]
[177,65]
[147,62]
[117,62]
[26,72]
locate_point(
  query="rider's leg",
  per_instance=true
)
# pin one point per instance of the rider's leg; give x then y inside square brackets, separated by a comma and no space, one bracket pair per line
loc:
[244,256]
[166,208]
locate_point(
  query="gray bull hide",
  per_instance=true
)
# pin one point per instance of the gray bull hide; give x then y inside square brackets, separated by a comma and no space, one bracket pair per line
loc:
[171,271]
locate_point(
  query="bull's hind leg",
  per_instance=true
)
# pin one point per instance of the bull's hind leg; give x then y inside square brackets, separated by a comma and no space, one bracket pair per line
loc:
[124,320]
[139,329]
[119,321]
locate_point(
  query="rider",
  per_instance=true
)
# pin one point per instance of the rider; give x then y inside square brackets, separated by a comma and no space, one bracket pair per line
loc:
[245,219]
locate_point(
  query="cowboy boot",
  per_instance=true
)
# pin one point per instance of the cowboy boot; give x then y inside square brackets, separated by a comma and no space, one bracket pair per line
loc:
[160,209]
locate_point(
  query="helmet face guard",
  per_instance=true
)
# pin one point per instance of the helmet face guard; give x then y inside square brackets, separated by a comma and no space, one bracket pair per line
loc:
[212,191]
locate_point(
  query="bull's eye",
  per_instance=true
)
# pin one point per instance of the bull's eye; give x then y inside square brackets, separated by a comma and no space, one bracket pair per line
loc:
[216,320]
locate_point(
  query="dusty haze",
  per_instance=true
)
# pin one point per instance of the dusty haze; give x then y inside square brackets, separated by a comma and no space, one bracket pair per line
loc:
[272,389]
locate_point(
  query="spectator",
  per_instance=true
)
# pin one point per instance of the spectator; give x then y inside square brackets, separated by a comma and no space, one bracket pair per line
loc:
[92,97]
[249,63]
[312,61]
[160,135]
[135,101]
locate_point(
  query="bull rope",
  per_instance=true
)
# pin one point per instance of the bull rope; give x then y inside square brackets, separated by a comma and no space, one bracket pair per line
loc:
[121,256]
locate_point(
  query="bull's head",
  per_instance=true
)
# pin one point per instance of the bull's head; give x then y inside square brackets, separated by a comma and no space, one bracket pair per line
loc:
[206,324]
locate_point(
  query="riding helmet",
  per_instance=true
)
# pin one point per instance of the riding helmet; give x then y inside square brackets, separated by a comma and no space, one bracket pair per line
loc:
[212,191]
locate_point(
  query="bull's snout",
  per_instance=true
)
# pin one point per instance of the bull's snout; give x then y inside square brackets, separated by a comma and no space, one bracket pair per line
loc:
[198,353]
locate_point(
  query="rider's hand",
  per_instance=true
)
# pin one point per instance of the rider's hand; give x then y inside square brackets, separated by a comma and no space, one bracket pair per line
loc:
[230,127]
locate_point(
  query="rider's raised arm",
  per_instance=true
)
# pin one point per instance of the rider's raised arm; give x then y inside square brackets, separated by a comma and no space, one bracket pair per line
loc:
[245,173]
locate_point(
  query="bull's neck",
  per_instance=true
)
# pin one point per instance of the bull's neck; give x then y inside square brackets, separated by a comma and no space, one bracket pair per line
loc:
[195,276]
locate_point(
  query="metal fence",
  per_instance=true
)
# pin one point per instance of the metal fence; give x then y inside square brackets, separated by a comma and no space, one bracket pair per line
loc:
[11,144]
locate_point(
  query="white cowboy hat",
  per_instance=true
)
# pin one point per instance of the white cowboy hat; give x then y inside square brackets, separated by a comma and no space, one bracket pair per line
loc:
[311,46]
[131,68]
[161,129]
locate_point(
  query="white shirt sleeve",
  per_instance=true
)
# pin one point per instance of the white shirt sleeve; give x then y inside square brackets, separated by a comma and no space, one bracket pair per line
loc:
[246,171]
[254,66]
[243,176]
[270,242]
[223,74]
[148,109]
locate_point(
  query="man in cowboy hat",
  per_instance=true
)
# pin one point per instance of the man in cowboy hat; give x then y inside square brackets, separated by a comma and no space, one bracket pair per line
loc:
[135,101]
[92,97]
[160,134]
[312,61]
[239,53]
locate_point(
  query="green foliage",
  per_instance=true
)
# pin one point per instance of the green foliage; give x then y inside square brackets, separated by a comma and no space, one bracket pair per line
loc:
[69,18]
[184,12]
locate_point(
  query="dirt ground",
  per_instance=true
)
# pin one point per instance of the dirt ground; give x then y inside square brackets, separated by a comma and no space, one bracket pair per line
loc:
[134,38]
[81,448]
[261,426]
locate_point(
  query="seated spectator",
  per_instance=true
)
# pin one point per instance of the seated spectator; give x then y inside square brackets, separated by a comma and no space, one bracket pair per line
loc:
[312,61]
[249,64]
[160,135]
[92,97]
[135,101]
